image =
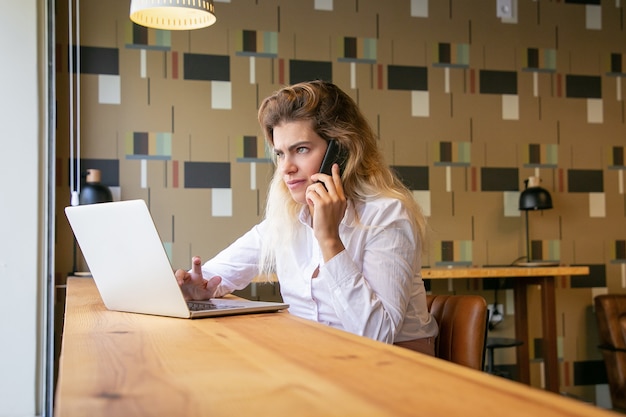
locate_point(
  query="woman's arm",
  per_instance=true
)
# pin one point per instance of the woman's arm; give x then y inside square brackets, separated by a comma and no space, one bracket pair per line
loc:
[371,285]
[237,264]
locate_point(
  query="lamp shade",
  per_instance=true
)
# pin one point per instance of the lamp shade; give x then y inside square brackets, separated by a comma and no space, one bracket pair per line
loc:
[534,197]
[173,14]
[93,191]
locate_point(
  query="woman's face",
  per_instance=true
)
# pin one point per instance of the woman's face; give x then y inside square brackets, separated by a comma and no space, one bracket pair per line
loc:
[299,153]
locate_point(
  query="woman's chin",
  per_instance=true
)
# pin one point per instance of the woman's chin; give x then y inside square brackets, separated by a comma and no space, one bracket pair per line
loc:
[299,198]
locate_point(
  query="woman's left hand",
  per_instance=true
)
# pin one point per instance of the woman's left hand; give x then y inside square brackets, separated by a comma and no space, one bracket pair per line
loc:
[193,285]
[328,206]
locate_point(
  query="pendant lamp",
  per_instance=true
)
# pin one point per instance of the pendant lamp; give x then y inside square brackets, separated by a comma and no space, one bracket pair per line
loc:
[173,14]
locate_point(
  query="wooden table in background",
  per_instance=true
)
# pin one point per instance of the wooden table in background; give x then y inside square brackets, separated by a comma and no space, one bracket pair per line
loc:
[123,364]
[522,277]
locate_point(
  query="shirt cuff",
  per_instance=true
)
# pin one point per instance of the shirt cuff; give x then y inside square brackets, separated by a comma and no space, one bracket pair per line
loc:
[341,270]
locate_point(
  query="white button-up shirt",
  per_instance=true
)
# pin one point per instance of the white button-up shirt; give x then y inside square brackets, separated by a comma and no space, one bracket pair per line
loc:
[373,288]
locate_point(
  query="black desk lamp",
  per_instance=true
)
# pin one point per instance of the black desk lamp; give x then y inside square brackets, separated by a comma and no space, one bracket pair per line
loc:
[533,197]
[91,192]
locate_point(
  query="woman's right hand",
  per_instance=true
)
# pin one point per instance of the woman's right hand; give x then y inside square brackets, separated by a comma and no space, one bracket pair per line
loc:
[193,284]
[329,207]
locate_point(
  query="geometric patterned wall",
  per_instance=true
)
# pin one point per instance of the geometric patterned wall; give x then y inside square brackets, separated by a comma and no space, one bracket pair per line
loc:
[466,105]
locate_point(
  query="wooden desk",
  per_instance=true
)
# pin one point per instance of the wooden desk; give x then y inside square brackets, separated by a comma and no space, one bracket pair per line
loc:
[524,276]
[122,364]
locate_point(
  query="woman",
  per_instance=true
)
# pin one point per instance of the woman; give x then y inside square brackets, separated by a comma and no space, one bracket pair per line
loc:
[345,248]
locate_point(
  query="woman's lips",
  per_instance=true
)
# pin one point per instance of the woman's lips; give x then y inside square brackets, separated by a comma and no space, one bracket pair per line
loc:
[293,184]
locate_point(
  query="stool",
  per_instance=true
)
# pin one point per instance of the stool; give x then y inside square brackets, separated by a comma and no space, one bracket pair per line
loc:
[494,343]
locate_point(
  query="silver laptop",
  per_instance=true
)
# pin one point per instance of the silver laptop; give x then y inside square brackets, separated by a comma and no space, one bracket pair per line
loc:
[130,266]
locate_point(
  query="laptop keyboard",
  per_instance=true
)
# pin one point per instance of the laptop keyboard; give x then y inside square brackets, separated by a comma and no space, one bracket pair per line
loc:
[194,306]
[207,305]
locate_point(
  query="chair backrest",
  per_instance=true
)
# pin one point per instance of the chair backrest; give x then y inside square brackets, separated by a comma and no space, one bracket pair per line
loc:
[611,313]
[611,317]
[462,321]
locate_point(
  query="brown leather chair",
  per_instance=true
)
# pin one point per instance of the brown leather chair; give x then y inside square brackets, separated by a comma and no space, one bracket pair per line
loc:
[611,317]
[462,321]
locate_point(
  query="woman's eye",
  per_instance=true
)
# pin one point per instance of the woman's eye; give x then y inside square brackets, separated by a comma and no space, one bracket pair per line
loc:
[302,149]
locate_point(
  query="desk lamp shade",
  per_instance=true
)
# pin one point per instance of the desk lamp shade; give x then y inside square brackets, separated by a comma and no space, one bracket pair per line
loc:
[173,14]
[93,191]
[534,197]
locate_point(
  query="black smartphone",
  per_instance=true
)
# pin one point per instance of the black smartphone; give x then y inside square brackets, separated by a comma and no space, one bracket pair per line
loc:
[334,154]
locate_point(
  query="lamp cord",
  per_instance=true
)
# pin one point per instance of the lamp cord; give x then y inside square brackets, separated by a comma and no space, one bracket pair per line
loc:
[74,77]
[74,194]
[493,322]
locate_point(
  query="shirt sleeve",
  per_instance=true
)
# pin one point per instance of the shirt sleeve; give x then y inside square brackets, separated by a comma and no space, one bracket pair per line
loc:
[238,263]
[372,300]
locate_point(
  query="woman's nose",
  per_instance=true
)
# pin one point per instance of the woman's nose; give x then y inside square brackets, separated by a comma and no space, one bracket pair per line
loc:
[287,166]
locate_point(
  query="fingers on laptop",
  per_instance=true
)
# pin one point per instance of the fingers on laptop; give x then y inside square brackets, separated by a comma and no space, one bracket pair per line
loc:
[215,281]
[196,265]
[181,276]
